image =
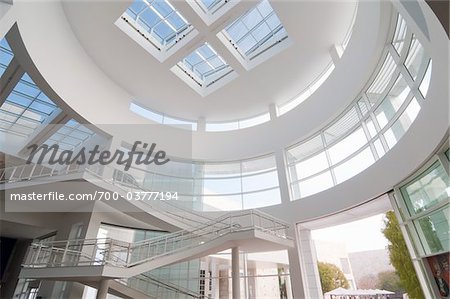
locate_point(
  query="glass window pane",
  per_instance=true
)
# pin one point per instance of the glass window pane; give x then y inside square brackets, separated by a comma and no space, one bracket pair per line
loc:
[69,136]
[144,112]
[204,64]
[400,33]
[379,148]
[222,186]
[260,181]
[425,84]
[392,102]
[382,79]
[309,167]
[315,184]
[363,107]
[6,55]
[262,199]
[402,124]
[222,203]
[428,189]
[256,30]
[371,127]
[414,62]
[221,170]
[219,127]
[354,166]
[347,146]
[434,231]
[305,149]
[159,18]
[254,121]
[342,125]
[258,165]
[23,106]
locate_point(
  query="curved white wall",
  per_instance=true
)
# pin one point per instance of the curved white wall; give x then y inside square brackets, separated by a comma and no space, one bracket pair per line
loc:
[48,38]
[74,78]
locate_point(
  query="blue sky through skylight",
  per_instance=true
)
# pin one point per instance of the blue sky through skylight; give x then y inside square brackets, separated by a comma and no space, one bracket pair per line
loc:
[70,136]
[256,30]
[6,55]
[25,108]
[159,18]
[203,63]
[211,4]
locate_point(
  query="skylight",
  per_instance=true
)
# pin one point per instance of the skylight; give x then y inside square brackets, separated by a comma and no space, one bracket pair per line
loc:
[205,66]
[158,21]
[256,31]
[213,5]
[70,136]
[6,55]
[25,108]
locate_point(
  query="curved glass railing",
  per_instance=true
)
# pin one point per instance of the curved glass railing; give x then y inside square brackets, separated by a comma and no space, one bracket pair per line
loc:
[371,126]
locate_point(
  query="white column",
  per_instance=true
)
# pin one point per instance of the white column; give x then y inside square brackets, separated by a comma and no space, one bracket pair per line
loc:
[235,278]
[283,178]
[102,290]
[304,274]
[336,52]
[201,124]
[273,111]
[308,264]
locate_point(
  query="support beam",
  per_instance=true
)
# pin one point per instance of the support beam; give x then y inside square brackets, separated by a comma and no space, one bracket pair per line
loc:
[306,253]
[235,277]
[102,290]
[336,52]
[9,79]
[283,178]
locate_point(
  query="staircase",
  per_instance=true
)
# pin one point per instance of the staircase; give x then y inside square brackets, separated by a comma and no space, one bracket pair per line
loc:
[94,259]
[144,286]
[90,260]
[111,179]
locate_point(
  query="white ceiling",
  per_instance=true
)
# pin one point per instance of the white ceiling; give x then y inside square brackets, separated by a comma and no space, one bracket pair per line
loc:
[314,26]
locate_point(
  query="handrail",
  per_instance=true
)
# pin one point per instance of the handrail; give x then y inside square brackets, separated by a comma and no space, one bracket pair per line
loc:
[18,174]
[125,254]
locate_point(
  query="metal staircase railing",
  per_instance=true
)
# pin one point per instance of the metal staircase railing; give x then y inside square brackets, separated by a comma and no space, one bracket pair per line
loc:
[92,252]
[157,288]
[115,178]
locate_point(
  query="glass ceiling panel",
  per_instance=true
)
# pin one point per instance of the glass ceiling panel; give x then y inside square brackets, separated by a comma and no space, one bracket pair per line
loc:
[6,55]
[159,18]
[212,4]
[25,108]
[203,63]
[255,31]
[70,136]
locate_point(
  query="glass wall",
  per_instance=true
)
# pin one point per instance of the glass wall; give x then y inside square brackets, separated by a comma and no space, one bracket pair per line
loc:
[173,281]
[216,186]
[423,203]
[371,126]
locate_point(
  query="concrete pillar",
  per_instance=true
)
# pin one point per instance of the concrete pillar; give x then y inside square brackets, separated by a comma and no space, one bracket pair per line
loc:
[102,290]
[304,274]
[201,124]
[308,264]
[235,277]
[336,52]
[273,111]
[283,178]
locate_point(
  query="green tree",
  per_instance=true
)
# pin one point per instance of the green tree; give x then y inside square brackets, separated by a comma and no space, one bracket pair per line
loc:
[389,280]
[331,277]
[399,256]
